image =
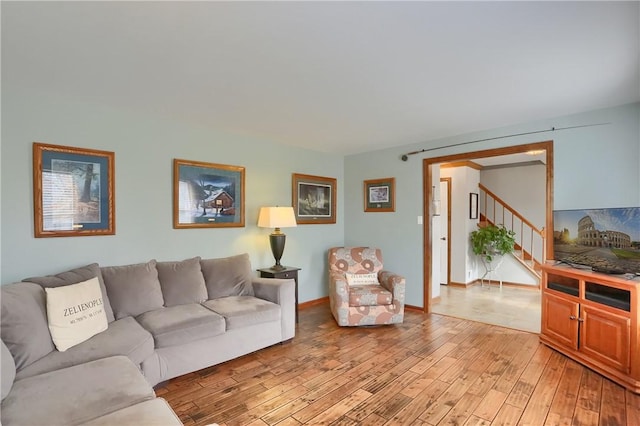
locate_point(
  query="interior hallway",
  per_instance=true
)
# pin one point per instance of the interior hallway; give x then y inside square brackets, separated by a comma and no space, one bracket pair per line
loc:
[513,307]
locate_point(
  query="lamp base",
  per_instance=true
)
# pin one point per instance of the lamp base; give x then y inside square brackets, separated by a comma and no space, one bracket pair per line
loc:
[277,241]
[278,267]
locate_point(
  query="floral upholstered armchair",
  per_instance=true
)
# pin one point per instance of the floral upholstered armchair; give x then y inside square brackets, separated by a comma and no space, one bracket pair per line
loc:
[360,291]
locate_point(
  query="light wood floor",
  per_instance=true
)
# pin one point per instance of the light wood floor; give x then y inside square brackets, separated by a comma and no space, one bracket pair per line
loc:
[431,370]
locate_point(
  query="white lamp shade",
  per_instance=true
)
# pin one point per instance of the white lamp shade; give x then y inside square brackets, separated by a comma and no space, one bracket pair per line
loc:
[276,217]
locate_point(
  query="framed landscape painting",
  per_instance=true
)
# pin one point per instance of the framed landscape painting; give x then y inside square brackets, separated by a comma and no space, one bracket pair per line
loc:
[73,191]
[379,195]
[207,195]
[314,199]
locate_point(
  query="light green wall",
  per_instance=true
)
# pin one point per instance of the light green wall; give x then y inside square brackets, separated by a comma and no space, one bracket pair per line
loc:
[594,167]
[144,148]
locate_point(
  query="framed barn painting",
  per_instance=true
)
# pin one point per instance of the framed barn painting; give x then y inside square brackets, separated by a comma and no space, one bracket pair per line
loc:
[207,195]
[73,191]
[314,199]
[379,195]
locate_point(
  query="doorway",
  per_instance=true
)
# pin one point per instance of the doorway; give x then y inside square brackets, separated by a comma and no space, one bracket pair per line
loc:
[428,178]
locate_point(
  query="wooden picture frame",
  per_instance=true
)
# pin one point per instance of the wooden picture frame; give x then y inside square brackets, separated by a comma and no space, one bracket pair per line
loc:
[73,191]
[380,195]
[473,205]
[313,199]
[207,195]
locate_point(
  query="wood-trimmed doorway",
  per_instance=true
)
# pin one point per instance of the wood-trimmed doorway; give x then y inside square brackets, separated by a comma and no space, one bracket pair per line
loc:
[427,165]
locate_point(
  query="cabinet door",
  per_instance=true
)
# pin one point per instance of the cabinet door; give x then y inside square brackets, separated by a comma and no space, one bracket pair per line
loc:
[606,337]
[559,320]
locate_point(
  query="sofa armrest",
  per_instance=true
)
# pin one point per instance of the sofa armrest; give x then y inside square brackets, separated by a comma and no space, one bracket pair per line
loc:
[395,284]
[281,292]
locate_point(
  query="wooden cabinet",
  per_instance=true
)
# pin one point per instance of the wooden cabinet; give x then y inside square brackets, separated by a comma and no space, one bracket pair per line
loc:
[593,319]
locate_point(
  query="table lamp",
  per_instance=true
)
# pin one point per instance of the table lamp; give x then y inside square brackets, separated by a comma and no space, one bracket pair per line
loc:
[277,217]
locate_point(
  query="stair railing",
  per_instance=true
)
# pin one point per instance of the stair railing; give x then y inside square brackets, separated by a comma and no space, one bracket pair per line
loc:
[530,241]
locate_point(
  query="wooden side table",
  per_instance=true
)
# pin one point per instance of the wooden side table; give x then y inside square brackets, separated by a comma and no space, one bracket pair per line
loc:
[287,272]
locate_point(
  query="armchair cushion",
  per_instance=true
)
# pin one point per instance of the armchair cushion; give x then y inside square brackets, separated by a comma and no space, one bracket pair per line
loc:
[369,295]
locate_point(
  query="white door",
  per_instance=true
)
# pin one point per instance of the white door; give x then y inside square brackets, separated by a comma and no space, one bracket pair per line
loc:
[445,217]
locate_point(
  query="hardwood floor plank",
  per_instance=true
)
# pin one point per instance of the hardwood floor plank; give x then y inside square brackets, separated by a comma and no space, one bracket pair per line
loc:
[517,365]
[419,404]
[526,384]
[590,393]
[508,415]
[462,411]
[260,410]
[633,408]
[431,370]
[490,405]
[381,397]
[540,401]
[338,409]
[564,401]
[476,421]
[585,417]
[445,402]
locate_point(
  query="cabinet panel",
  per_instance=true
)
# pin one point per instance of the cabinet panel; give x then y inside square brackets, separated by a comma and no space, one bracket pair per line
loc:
[605,337]
[556,320]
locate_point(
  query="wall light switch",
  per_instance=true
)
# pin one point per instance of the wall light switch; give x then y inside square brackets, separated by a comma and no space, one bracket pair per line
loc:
[419,220]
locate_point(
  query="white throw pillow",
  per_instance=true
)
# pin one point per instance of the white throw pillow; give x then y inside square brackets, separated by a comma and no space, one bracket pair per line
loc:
[361,279]
[75,313]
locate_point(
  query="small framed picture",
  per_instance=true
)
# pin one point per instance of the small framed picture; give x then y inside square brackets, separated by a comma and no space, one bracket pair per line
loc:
[73,191]
[380,195]
[207,195]
[473,205]
[313,199]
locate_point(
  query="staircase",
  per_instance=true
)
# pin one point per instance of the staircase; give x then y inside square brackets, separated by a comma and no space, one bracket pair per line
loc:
[530,241]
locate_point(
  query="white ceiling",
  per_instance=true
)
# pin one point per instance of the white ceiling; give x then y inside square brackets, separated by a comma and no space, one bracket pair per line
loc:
[343,77]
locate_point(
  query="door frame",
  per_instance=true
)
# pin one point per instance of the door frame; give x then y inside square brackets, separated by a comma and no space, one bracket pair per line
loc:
[427,165]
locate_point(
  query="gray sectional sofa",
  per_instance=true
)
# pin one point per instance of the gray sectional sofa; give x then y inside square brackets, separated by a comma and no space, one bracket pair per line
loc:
[163,320]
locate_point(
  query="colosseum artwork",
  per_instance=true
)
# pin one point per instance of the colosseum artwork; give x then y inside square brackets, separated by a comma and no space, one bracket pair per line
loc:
[601,239]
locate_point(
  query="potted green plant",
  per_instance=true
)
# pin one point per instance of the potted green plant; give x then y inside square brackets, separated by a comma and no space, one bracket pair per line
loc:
[492,240]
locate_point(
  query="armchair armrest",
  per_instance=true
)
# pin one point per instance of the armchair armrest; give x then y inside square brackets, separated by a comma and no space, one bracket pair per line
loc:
[338,288]
[395,284]
[281,292]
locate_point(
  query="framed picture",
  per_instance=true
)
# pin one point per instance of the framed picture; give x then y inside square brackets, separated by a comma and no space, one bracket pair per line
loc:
[473,205]
[73,191]
[380,195]
[314,199]
[207,195]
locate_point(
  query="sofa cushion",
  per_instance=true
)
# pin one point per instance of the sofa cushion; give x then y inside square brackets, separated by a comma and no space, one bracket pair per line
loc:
[76,394]
[7,369]
[75,313]
[23,322]
[181,324]
[229,276]
[123,337]
[242,311]
[182,282]
[154,412]
[75,276]
[133,289]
